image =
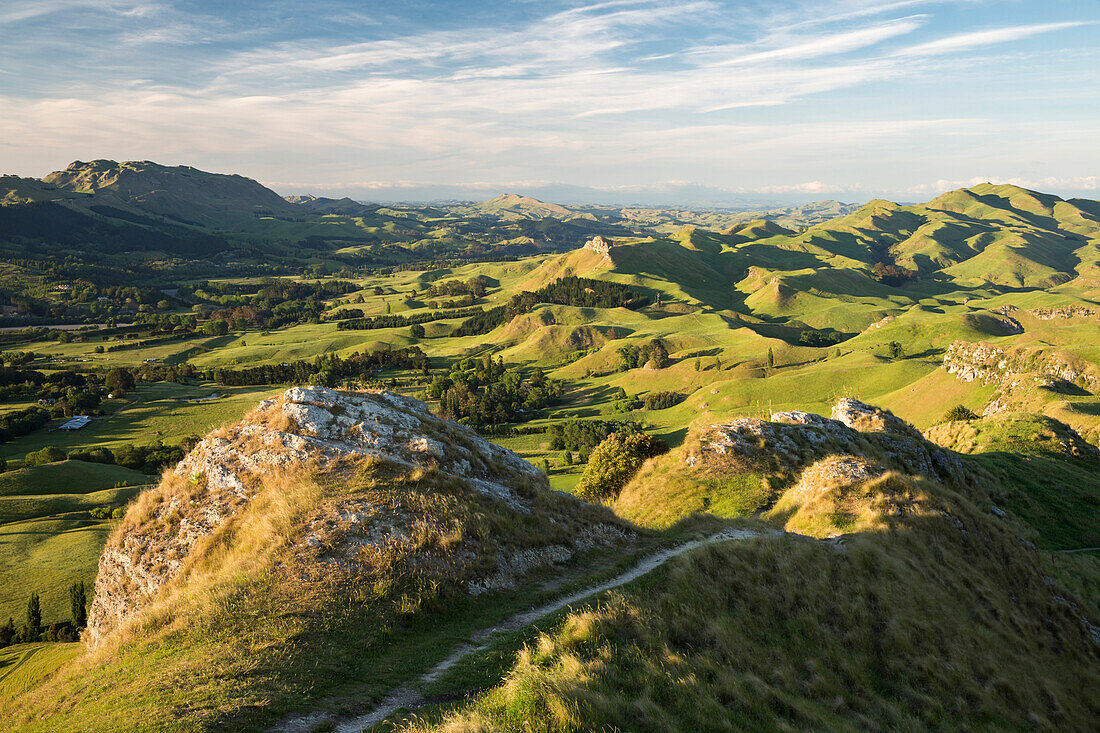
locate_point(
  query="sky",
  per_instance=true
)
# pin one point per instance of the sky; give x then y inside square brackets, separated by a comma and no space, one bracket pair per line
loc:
[648,101]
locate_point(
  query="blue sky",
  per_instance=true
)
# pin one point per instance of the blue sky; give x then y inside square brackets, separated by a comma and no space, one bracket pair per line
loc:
[649,100]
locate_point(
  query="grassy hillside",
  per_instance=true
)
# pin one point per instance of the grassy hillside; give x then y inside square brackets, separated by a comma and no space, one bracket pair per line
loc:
[67,477]
[923,609]
[757,315]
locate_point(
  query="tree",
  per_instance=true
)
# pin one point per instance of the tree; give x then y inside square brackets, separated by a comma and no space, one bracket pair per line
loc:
[417,331]
[658,354]
[215,327]
[34,618]
[567,458]
[544,466]
[7,632]
[771,358]
[324,378]
[895,350]
[120,381]
[614,462]
[78,604]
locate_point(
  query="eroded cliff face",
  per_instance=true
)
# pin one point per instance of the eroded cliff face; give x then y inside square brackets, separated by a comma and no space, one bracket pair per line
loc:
[317,430]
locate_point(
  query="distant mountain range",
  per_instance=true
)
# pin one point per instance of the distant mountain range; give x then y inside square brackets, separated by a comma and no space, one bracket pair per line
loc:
[109,208]
[1003,235]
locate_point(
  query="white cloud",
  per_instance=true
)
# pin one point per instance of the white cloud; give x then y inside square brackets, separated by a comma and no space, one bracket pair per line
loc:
[1046,183]
[967,41]
[826,45]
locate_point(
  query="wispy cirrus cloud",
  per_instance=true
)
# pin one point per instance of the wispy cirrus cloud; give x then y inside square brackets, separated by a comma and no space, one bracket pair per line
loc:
[791,94]
[977,39]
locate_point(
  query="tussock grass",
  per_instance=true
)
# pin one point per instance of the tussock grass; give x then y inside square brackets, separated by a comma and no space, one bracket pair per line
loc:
[832,508]
[665,492]
[944,620]
[326,587]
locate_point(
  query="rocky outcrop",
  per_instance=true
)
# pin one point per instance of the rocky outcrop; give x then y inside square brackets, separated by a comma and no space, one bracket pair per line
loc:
[990,364]
[865,418]
[1064,312]
[793,441]
[600,246]
[316,430]
[1017,373]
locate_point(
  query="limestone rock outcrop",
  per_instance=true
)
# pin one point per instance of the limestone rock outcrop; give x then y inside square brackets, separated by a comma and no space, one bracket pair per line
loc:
[312,430]
[858,442]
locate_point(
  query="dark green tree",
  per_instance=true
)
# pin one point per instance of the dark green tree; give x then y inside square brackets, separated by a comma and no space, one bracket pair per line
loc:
[49,454]
[34,618]
[120,381]
[417,331]
[215,327]
[7,632]
[78,604]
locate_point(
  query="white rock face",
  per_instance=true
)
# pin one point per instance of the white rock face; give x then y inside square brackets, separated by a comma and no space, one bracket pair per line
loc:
[860,442]
[306,426]
[861,416]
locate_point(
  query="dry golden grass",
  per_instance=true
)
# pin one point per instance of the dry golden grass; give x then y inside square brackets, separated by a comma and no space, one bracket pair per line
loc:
[261,621]
[938,619]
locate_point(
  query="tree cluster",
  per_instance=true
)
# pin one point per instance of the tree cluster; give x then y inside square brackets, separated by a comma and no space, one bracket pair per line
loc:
[400,321]
[584,435]
[893,275]
[485,392]
[326,370]
[21,422]
[475,287]
[32,629]
[580,292]
[819,338]
[661,400]
[632,356]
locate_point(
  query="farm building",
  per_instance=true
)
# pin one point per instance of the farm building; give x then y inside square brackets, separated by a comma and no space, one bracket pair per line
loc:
[76,423]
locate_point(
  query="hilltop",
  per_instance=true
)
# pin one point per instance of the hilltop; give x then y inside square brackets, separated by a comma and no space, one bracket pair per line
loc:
[898,597]
[180,193]
[514,206]
[360,520]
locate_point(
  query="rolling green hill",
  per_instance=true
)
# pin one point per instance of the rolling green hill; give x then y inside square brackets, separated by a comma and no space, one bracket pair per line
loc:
[973,317]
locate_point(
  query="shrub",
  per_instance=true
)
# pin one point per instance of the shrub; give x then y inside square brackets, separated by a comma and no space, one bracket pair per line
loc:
[614,462]
[958,413]
[92,455]
[49,454]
